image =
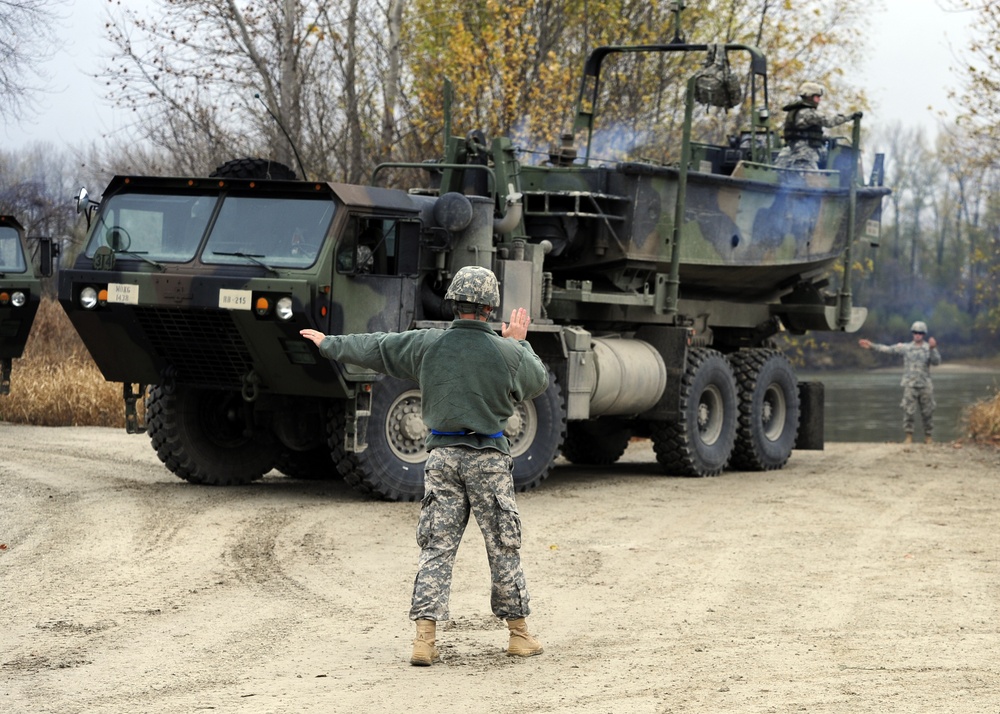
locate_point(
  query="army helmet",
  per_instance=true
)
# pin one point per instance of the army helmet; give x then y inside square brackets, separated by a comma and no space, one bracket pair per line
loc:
[474,284]
[919,326]
[809,89]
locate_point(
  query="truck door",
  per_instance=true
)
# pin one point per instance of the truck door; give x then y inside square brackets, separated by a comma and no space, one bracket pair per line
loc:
[374,289]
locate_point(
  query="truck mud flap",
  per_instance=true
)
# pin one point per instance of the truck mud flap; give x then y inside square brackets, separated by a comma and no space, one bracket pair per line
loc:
[810,436]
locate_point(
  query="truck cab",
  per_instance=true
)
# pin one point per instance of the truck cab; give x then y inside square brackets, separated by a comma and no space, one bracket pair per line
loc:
[20,294]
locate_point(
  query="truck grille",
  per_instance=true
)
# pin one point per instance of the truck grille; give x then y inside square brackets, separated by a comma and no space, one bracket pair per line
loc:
[203,347]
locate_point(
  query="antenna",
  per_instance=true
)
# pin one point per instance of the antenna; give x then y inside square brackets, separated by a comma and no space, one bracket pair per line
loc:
[285,132]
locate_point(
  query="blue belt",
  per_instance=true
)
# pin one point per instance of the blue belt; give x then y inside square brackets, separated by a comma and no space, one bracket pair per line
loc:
[465,432]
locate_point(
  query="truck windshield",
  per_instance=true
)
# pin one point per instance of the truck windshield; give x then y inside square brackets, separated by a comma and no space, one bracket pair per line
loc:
[11,257]
[157,227]
[277,232]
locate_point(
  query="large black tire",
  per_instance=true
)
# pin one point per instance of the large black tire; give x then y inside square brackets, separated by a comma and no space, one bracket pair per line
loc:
[392,465]
[252,168]
[769,410]
[700,442]
[202,437]
[600,442]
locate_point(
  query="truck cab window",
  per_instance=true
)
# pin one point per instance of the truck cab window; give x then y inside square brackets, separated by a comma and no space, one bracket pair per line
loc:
[11,258]
[369,246]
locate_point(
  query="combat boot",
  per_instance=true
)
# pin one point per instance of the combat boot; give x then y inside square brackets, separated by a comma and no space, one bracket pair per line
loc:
[521,643]
[908,439]
[424,651]
[928,439]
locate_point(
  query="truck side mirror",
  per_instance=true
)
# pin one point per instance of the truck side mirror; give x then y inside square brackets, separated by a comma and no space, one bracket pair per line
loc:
[84,205]
[48,251]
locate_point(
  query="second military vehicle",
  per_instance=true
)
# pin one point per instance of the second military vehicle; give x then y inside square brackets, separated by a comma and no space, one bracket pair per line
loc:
[655,289]
[20,294]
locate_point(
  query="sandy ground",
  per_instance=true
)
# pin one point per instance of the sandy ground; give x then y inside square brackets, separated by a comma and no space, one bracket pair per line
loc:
[863,578]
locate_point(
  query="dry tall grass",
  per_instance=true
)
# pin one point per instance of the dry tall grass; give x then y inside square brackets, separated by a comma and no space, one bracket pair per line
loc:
[56,383]
[982,421]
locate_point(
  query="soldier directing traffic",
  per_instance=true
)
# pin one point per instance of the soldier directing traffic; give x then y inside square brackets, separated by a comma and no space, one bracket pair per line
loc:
[471,382]
[803,129]
[918,390]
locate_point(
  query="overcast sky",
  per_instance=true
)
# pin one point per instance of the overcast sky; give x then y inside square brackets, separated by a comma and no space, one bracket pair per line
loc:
[908,69]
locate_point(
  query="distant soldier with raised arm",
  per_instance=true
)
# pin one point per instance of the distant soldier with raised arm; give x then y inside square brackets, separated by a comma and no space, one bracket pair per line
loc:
[918,390]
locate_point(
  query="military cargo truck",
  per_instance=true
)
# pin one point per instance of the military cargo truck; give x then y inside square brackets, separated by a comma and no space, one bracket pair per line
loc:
[655,289]
[20,293]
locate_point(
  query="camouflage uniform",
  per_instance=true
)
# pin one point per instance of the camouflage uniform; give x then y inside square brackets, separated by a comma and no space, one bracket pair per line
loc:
[803,135]
[458,480]
[918,390]
[471,381]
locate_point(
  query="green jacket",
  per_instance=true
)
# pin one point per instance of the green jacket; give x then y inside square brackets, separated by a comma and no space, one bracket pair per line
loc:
[471,379]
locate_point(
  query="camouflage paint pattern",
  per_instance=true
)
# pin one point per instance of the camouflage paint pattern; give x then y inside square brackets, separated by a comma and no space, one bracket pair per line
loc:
[748,231]
[193,291]
[194,319]
[460,481]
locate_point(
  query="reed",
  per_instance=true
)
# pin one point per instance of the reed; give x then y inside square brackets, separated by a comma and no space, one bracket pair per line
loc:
[56,383]
[982,421]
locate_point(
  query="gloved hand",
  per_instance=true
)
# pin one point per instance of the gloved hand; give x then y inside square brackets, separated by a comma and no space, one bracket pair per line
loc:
[857,115]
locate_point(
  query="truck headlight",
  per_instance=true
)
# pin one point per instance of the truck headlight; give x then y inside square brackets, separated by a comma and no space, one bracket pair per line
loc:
[88,298]
[284,308]
[18,299]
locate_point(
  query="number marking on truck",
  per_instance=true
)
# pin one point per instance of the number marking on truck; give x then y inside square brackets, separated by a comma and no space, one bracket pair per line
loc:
[123,293]
[234,299]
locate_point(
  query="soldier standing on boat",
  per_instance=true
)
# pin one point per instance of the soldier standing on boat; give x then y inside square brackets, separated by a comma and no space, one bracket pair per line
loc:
[471,381]
[918,390]
[803,130]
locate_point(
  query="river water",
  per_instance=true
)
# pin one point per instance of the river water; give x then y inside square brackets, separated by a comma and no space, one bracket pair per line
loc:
[864,406]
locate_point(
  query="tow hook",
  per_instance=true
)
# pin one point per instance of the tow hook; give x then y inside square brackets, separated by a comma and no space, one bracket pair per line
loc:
[131,393]
[251,383]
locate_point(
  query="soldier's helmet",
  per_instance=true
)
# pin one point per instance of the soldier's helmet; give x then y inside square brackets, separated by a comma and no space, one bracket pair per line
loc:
[474,284]
[919,326]
[809,89]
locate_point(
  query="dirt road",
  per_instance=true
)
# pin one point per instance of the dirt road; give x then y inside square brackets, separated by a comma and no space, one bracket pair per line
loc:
[865,578]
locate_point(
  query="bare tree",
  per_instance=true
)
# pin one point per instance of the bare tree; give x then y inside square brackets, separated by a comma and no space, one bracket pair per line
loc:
[36,183]
[27,39]
[293,80]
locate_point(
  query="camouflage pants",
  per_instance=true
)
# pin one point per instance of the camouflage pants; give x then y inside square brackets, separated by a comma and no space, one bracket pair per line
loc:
[459,481]
[924,398]
[799,155]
